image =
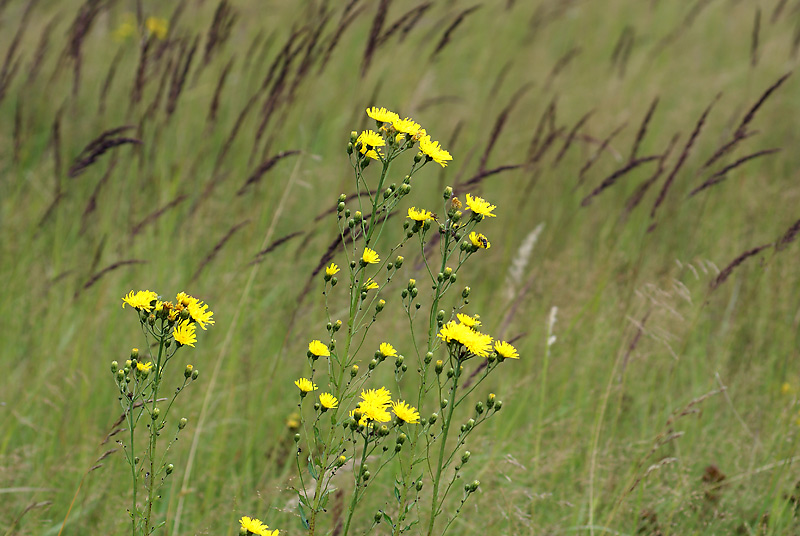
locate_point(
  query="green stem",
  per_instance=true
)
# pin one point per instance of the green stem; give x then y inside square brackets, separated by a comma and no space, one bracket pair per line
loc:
[154,433]
[132,427]
[446,429]
[354,500]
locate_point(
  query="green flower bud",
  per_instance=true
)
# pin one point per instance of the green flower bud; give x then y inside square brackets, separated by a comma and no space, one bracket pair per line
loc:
[465,292]
[349,148]
[347,213]
[440,315]
[432,418]
[444,403]
[383,430]
[439,366]
[296,438]
[151,320]
[404,294]
[354,371]
[120,375]
[398,447]
[398,262]
[451,373]
[404,367]
[342,198]
[340,207]
[399,361]
[169,469]
[465,456]
[365,475]
[479,407]
[187,372]
[316,406]
[168,343]
[498,405]
[381,304]
[452,278]
[184,314]
[351,223]
[358,216]
[378,515]
[182,423]
[129,363]
[419,485]
[470,424]
[490,400]
[195,374]
[372,364]
[456,216]
[340,461]
[114,367]
[329,326]
[353,138]
[402,438]
[465,246]
[337,326]
[414,292]
[448,193]
[389,266]
[155,413]
[357,415]
[447,271]
[474,486]
[134,353]
[334,280]
[428,357]
[136,460]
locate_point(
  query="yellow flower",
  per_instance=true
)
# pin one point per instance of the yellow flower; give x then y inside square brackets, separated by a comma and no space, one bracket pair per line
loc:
[197,310]
[407,126]
[328,401]
[144,367]
[379,397]
[387,350]
[140,300]
[470,321]
[157,26]
[433,150]
[505,350]
[479,240]
[293,421]
[305,385]
[475,342]
[419,215]
[370,284]
[405,412]
[332,269]
[382,115]
[255,526]
[370,256]
[480,344]
[372,153]
[184,299]
[480,206]
[370,138]
[318,348]
[184,333]
[373,412]
[399,138]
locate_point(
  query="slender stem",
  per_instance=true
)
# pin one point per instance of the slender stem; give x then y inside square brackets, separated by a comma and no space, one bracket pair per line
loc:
[131,427]
[354,500]
[446,429]
[154,432]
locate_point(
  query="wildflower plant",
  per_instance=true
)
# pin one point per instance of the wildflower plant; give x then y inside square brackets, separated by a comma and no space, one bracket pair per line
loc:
[417,431]
[169,326]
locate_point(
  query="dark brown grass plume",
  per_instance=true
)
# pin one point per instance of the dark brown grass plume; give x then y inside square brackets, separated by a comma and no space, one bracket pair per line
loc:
[448,33]
[262,169]
[721,175]
[603,146]
[754,38]
[500,123]
[616,175]
[181,71]
[214,107]
[572,136]
[224,18]
[643,128]
[108,140]
[374,35]
[728,270]
[637,196]
[153,216]
[216,249]
[788,237]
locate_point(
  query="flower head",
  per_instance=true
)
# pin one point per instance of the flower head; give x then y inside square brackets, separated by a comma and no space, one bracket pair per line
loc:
[184,299]
[374,404]
[433,150]
[157,26]
[382,115]
[144,367]
[405,412]
[141,300]
[332,269]
[505,350]
[370,138]
[467,320]
[419,214]
[255,526]
[305,385]
[479,240]
[370,256]
[318,348]
[184,333]
[200,314]
[407,126]
[387,350]
[480,206]
[473,341]
[370,284]
[328,401]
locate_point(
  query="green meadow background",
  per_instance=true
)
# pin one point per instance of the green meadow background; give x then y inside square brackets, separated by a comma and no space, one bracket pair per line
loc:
[666,403]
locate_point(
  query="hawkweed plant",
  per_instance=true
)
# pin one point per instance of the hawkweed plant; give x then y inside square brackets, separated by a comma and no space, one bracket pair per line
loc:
[417,430]
[168,326]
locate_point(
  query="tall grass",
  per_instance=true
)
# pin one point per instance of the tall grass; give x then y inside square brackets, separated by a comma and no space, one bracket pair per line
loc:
[675,282]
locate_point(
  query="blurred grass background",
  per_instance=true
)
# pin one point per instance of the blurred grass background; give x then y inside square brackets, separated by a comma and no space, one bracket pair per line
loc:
[629,444]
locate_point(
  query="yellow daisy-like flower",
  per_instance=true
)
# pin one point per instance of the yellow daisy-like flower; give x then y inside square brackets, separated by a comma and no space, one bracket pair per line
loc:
[480,206]
[370,256]
[387,350]
[184,333]
[382,115]
[398,139]
[157,26]
[370,138]
[140,300]
[419,214]
[255,526]
[328,401]
[434,151]
[370,284]
[318,348]
[373,154]
[332,269]
[379,397]
[505,350]
[467,320]
[185,299]
[407,126]
[479,240]
[200,314]
[476,343]
[480,344]
[373,412]
[305,385]
[405,412]
[144,367]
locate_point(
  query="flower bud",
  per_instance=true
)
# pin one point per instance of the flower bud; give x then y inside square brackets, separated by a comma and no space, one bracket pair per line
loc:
[195,374]
[296,438]
[351,223]
[479,407]
[465,456]
[467,247]
[134,353]
[383,430]
[182,423]
[353,138]
[357,415]
[498,405]
[340,461]
[334,280]
[169,469]
[419,485]
[151,319]
[404,294]
[444,403]
[451,373]
[120,375]
[447,271]
[432,418]
[448,193]
[354,371]
[337,326]
[358,216]
[365,475]
[398,262]
[414,292]
[490,400]
[372,364]
[187,372]
[402,438]
[456,216]
[347,213]
[340,207]
[114,367]
[465,292]
[378,515]
[399,361]
[474,486]
[184,314]
[155,413]
[452,278]
[379,307]
[412,283]
[439,366]
[470,424]
[440,315]
[398,447]
[428,357]
[329,326]
[342,198]
[404,367]
[129,363]
[316,406]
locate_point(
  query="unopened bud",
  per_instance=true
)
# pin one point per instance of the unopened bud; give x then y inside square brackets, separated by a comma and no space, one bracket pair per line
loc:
[354,371]
[296,438]
[372,364]
[479,407]
[120,375]
[428,357]
[134,353]
[169,469]
[365,475]
[498,405]
[381,304]
[353,138]
[378,515]
[448,192]
[419,485]
[182,423]
[114,367]
[465,292]
[447,271]
[195,374]
[342,198]
[432,418]
[440,315]
[398,262]
[341,461]
[187,372]
[155,413]
[444,403]
[490,400]
[465,456]
[402,438]
[439,367]
[399,361]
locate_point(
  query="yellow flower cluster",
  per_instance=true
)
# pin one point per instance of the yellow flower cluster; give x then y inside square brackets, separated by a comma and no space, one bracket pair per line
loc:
[375,404]
[419,214]
[476,343]
[398,130]
[195,313]
[256,526]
